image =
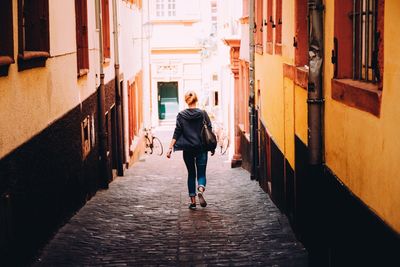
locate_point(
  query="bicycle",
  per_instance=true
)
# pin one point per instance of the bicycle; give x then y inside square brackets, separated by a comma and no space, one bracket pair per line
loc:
[153,144]
[222,139]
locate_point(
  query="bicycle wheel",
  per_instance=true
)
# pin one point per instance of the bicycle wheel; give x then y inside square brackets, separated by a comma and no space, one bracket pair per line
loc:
[148,149]
[224,145]
[157,146]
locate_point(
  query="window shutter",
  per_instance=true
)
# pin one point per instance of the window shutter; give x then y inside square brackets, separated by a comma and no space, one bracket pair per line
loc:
[106,28]
[81,34]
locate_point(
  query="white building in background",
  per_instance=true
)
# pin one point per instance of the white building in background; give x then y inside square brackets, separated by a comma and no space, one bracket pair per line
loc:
[187,53]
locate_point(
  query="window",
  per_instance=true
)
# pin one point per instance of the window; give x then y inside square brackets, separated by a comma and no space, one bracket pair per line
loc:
[358,53]
[171,8]
[6,37]
[82,36]
[358,42]
[365,41]
[87,135]
[259,26]
[33,33]
[105,12]
[165,8]
[160,8]
[214,14]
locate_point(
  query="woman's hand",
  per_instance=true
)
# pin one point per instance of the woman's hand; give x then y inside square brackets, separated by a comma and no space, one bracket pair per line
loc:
[169,153]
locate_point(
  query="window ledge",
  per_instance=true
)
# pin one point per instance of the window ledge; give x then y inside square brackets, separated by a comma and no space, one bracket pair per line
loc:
[106,62]
[6,60]
[28,55]
[32,59]
[301,77]
[357,94]
[278,49]
[83,72]
[259,49]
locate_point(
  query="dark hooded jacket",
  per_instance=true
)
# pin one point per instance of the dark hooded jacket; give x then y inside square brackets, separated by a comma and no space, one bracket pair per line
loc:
[189,123]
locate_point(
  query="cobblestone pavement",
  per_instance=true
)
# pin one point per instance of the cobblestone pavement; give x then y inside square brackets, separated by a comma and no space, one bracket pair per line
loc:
[143,219]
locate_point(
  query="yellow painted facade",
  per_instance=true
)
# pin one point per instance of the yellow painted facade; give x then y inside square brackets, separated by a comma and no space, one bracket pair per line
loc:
[360,148]
[363,150]
[31,100]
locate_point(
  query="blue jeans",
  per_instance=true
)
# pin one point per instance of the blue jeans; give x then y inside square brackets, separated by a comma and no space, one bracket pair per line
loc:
[195,161]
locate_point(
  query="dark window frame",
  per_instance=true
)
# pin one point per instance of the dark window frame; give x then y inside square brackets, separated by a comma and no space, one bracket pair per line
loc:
[82,37]
[33,34]
[6,37]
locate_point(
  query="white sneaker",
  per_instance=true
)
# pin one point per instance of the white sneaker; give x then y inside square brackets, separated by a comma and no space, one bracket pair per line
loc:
[202,201]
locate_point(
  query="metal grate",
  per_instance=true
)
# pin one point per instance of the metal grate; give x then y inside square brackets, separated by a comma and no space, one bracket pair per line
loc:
[365,38]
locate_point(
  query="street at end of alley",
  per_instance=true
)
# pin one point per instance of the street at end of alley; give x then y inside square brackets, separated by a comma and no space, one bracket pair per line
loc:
[143,220]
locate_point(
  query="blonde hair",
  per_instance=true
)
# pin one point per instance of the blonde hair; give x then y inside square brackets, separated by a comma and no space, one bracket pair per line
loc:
[191,97]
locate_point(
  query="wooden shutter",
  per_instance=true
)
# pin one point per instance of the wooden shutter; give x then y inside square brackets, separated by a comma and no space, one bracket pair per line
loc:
[82,35]
[259,23]
[270,27]
[278,23]
[106,28]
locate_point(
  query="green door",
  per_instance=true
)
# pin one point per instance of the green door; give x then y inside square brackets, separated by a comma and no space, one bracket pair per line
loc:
[168,105]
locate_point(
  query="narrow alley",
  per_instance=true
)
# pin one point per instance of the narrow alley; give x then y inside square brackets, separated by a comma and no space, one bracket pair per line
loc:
[143,219]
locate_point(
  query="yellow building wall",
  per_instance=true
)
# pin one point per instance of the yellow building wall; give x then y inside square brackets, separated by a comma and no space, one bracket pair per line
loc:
[361,149]
[32,99]
[277,94]
[270,74]
[288,90]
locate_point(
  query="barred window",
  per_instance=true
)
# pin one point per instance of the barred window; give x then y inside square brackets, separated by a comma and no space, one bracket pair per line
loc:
[365,36]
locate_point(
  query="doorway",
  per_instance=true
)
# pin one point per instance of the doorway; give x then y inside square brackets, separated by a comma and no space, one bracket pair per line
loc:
[168,104]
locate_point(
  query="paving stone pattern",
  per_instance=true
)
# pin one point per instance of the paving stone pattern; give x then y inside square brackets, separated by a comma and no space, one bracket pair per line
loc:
[143,220]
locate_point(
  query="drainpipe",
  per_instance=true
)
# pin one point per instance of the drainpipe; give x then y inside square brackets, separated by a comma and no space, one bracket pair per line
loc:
[315,97]
[253,125]
[118,95]
[101,104]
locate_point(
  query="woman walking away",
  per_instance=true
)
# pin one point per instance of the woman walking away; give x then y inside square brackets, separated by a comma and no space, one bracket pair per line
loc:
[187,137]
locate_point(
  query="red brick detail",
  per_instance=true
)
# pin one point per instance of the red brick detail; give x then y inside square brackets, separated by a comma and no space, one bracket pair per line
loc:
[356,94]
